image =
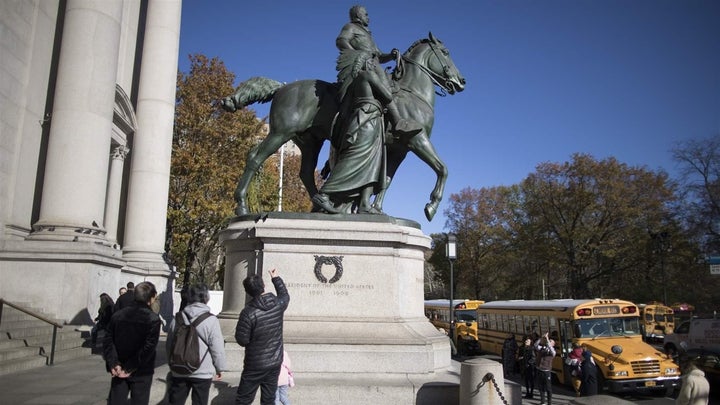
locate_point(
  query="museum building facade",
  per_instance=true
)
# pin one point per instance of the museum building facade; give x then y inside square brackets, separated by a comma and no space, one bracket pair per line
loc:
[87,96]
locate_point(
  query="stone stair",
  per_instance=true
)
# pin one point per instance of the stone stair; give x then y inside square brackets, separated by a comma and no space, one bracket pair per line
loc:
[25,341]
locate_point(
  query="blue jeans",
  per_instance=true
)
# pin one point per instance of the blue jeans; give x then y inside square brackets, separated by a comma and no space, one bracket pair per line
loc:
[281,395]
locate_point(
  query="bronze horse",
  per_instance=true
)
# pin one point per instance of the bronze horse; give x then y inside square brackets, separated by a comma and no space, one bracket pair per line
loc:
[304,112]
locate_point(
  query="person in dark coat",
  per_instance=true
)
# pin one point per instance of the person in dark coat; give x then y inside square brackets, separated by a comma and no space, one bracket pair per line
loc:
[127,299]
[589,378]
[129,348]
[103,318]
[526,357]
[509,353]
[260,331]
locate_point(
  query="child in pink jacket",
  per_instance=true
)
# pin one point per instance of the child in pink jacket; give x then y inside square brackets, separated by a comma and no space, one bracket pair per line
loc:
[285,381]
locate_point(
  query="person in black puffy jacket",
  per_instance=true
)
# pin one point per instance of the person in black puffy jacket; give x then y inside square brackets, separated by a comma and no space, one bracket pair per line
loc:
[260,331]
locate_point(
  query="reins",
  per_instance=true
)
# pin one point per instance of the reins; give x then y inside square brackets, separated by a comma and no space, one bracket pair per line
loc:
[429,72]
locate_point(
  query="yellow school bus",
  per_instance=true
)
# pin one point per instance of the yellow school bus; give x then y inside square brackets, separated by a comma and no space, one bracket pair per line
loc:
[656,320]
[609,328]
[465,337]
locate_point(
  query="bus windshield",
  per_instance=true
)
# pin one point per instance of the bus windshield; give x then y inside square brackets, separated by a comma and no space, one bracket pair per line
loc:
[663,318]
[468,315]
[591,328]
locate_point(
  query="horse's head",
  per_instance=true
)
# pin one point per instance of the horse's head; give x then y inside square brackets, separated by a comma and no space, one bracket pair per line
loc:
[434,59]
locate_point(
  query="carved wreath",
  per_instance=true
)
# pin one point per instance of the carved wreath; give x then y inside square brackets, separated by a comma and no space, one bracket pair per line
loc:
[333,260]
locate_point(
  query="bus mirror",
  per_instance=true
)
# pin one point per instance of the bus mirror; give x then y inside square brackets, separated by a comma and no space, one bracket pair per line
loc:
[617,349]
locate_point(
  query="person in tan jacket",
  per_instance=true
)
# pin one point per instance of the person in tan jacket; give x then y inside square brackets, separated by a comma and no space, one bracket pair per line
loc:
[695,389]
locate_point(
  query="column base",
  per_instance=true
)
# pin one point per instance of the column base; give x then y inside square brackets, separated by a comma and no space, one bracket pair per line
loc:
[69,233]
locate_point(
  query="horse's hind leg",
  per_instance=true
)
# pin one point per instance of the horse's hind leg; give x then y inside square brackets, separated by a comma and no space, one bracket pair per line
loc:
[309,150]
[255,159]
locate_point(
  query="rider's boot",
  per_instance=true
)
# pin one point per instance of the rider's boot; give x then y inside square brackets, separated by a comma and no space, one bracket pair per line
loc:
[321,201]
[401,126]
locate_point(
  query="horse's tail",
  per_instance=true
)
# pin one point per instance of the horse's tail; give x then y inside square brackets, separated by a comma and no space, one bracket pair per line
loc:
[253,90]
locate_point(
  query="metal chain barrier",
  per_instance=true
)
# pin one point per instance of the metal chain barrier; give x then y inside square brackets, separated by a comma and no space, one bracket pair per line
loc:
[491,377]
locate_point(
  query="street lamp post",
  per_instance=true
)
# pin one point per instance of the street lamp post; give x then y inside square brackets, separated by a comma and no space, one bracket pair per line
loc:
[451,253]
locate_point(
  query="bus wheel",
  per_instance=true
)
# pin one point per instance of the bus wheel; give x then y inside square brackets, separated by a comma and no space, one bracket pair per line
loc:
[670,349]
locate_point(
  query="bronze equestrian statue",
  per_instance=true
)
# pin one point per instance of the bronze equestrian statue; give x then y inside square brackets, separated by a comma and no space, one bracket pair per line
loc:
[305,111]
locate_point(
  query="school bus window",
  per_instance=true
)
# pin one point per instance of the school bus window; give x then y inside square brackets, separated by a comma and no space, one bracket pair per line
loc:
[492,321]
[466,315]
[544,327]
[511,323]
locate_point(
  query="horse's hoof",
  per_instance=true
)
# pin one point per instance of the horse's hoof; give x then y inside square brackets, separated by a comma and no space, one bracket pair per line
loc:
[430,210]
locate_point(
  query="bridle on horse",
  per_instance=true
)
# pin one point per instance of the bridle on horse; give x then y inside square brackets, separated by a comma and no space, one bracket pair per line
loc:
[432,75]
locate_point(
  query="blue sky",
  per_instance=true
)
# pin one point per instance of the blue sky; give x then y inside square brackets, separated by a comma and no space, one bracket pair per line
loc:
[545,78]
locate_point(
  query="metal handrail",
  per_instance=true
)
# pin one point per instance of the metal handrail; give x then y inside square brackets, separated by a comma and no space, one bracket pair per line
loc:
[38,316]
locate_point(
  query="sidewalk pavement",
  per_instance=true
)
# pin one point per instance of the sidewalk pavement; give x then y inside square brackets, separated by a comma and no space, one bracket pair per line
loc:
[81,381]
[84,381]
[78,381]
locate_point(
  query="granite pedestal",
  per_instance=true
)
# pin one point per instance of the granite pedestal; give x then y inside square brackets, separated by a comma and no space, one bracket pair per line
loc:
[356,298]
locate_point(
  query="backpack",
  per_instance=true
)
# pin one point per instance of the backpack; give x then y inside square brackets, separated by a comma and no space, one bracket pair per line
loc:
[185,352]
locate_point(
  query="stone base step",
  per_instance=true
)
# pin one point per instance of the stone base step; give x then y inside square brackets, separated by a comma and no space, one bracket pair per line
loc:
[69,354]
[40,330]
[18,352]
[25,363]
[7,343]
[26,342]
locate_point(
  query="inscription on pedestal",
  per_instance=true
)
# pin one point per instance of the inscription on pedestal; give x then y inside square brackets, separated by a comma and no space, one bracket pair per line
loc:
[326,289]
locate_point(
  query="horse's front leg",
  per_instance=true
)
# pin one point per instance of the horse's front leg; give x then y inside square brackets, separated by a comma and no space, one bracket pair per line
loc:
[420,145]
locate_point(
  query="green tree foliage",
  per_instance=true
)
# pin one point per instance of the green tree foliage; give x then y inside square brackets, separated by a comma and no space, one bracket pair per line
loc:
[594,217]
[486,220]
[583,228]
[699,161]
[700,165]
[208,154]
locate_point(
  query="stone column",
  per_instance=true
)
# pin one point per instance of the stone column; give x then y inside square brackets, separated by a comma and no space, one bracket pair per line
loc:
[73,196]
[114,188]
[150,160]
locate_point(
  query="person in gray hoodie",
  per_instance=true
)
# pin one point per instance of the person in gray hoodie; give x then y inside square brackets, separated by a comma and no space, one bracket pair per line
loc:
[212,350]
